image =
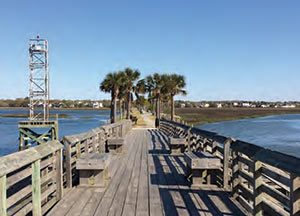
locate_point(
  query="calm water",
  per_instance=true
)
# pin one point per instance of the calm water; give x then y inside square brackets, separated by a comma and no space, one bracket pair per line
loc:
[77,121]
[281,133]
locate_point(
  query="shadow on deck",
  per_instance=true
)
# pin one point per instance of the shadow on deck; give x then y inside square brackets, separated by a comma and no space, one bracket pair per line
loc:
[146,180]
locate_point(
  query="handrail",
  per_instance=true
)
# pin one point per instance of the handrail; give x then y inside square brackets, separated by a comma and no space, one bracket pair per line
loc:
[261,180]
[30,180]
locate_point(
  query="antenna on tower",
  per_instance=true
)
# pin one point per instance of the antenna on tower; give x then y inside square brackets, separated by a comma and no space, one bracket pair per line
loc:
[39,117]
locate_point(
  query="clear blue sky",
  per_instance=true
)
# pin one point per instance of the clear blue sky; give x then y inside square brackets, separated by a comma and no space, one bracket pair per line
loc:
[246,50]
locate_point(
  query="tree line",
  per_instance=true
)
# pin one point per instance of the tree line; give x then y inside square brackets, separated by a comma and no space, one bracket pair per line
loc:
[123,85]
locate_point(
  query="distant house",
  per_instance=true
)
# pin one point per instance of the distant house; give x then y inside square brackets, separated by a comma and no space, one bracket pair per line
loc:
[246,105]
[219,105]
[289,106]
[264,106]
[182,105]
[206,105]
[235,104]
[97,105]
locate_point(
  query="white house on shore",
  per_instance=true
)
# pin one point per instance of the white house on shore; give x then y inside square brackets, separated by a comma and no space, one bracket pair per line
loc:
[97,105]
[289,106]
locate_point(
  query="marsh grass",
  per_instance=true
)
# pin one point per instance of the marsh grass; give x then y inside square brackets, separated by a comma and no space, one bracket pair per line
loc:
[198,116]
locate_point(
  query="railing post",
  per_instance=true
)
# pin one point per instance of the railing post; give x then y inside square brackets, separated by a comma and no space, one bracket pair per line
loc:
[189,139]
[122,131]
[235,174]
[3,198]
[36,188]
[59,179]
[257,209]
[86,145]
[294,194]
[226,155]
[68,164]
[78,150]
[94,142]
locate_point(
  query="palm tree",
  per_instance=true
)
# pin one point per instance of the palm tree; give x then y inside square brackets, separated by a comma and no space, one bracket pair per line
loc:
[112,83]
[155,84]
[130,77]
[174,85]
[139,90]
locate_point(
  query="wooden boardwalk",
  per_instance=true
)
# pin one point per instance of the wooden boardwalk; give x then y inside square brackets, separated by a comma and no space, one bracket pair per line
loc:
[146,180]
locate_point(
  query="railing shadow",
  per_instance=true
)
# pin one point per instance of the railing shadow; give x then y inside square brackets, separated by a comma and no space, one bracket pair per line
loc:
[175,192]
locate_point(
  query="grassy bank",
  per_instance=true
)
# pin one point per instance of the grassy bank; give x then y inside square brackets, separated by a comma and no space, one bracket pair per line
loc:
[197,116]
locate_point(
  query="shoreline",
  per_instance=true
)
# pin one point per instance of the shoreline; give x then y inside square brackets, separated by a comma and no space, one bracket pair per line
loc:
[78,108]
[200,116]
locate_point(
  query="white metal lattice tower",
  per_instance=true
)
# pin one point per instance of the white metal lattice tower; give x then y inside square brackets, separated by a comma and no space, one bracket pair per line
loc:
[39,80]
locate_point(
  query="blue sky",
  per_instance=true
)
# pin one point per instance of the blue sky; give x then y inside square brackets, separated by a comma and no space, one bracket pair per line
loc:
[248,50]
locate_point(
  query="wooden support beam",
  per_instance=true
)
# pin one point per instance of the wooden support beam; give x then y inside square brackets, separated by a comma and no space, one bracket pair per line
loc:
[189,139]
[68,164]
[78,150]
[59,176]
[36,188]
[226,156]
[295,194]
[86,145]
[257,195]
[236,167]
[3,198]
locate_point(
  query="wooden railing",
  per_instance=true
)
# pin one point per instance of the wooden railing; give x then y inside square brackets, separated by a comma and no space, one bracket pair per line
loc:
[34,180]
[31,180]
[90,141]
[264,182]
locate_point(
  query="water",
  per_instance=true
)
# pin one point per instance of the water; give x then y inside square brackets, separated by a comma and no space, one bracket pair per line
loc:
[281,133]
[77,121]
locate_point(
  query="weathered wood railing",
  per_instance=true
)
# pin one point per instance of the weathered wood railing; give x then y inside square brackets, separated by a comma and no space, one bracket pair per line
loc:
[90,141]
[31,180]
[264,182]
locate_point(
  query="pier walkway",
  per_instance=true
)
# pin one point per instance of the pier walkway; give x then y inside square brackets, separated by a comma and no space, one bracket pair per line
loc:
[143,178]
[146,180]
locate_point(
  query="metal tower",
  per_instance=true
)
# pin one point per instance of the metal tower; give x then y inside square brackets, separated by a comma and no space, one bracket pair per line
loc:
[38,129]
[39,79]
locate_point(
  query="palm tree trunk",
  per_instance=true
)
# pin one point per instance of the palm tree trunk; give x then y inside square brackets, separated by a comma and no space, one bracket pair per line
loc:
[128,105]
[157,112]
[157,106]
[114,106]
[121,108]
[172,108]
[112,101]
[124,106]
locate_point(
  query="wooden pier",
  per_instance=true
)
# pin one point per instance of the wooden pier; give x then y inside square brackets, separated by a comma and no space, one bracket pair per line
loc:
[145,179]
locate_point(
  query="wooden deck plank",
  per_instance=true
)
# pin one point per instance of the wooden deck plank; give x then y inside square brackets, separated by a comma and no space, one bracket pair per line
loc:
[142,207]
[118,203]
[106,202]
[93,202]
[159,178]
[154,196]
[63,207]
[80,204]
[145,180]
[171,178]
[131,196]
